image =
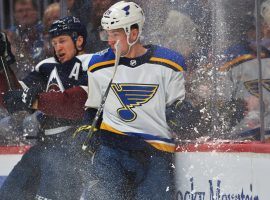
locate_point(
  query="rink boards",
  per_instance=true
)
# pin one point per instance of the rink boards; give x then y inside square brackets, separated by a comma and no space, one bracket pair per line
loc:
[9,156]
[212,171]
[223,171]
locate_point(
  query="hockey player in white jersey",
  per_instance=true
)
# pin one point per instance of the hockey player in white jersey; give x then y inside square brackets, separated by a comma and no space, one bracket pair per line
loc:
[244,74]
[134,158]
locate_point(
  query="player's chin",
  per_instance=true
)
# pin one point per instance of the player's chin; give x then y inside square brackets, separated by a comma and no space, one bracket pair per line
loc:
[122,52]
[62,59]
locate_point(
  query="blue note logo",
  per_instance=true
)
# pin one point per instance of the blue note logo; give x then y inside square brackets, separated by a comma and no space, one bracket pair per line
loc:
[131,96]
[126,9]
[253,86]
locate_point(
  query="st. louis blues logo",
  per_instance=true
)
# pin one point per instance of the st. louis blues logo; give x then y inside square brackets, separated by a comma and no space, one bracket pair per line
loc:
[126,9]
[253,86]
[131,96]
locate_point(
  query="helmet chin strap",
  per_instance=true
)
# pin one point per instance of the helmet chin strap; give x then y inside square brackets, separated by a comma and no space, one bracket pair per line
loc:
[130,44]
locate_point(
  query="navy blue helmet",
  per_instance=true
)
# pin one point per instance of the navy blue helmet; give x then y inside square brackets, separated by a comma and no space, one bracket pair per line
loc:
[69,25]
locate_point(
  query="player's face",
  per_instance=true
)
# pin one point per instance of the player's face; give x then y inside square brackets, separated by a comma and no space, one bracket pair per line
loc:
[118,35]
[64,48]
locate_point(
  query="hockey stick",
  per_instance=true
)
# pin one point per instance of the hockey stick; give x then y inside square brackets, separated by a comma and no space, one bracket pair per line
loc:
[100,109]
[4,64]
[5,71]
[4,61]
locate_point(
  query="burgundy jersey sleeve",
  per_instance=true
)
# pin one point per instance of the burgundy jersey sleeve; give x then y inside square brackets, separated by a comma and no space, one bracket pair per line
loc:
[68,104]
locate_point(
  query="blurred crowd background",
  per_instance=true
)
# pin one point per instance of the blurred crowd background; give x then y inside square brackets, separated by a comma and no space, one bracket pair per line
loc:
[214,36]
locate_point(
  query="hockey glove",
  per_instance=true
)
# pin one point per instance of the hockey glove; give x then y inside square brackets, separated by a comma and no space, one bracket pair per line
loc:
[5,50]
[235,110]
[182,116]
[18,100]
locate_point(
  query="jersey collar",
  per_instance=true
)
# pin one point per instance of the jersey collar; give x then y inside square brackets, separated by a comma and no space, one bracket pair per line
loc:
[135,62]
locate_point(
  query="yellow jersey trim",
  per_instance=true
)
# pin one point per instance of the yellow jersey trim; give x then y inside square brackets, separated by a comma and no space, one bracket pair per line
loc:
[168,62]
[111,129]
[163,147]
[101,64]
[158,145]
[227,66]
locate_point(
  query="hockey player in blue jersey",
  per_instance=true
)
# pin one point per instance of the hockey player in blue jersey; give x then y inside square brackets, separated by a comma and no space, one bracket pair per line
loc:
[52,168]
[134,144]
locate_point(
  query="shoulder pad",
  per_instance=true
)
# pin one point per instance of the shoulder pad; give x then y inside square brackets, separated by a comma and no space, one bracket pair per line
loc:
[168,58]
[85,59]
[102,59]
[48,60]
[236,61]
[235,55]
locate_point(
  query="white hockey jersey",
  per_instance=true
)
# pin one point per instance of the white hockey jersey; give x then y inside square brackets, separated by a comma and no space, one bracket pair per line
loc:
[140,92]
[243,71]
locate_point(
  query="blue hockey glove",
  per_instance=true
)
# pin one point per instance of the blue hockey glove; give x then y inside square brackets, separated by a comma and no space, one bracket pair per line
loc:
[18,100]
[182,116]
[5,50]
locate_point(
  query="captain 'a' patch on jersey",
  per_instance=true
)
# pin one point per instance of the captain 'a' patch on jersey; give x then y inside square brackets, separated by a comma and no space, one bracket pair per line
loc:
[51,75]
[132,95]
[54,82]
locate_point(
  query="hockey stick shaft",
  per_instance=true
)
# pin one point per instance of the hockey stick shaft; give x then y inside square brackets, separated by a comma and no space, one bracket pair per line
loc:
[100,109]
[3,63]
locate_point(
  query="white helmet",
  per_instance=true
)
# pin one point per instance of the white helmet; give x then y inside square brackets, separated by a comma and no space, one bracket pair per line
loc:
[265,11]
[123,15]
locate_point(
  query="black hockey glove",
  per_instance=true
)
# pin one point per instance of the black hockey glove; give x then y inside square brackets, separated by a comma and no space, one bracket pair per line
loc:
[182,116]
[18,100]
[5,50]
[235,110]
